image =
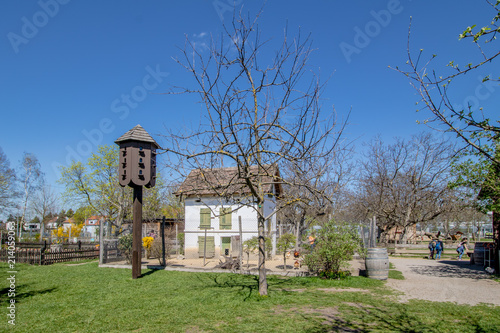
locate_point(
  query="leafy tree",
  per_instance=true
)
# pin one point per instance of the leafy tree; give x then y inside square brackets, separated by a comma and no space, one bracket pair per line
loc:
[70,213]
[82,213]
[336,244]
[8,191]
[95,184]
[284,244]
[61,217]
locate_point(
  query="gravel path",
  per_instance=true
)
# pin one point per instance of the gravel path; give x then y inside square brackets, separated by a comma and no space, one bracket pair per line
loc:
[445,281]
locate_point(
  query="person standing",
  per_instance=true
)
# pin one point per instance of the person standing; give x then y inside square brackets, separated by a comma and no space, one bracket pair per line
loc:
[462,247]
[432,248]
[439,248]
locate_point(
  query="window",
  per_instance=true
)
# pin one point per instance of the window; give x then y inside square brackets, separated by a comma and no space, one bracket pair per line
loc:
[205,221]
[225,218]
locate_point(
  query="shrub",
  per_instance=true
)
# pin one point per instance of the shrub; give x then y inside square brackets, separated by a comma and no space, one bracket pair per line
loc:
[335,246]
[147,242]
[125,246]
[157,250]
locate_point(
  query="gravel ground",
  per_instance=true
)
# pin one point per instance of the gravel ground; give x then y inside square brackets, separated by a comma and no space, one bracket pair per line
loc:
[444,281]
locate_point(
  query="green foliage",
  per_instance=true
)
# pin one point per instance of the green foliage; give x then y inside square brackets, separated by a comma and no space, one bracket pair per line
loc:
[478,175]
[285,243]
[336,244]
[181,240]
[125,246]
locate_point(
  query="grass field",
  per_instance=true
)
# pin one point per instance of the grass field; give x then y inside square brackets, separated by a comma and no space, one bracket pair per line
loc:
[86,298]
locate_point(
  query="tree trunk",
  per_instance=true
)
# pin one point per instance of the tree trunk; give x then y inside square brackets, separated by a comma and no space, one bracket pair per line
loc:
[262,256]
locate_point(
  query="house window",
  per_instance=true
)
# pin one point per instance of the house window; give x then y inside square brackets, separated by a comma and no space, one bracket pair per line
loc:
[225,218]
[205,221]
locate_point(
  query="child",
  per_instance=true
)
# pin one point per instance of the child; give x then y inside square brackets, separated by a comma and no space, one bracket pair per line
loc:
[462,247]
[439,248]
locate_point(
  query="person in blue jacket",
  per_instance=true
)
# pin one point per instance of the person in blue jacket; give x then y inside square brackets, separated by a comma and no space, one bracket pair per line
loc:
[439,248]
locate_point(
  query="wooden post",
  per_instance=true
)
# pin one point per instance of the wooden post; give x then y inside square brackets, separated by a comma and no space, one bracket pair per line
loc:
[241,244]
[205,248]
[177,239]
[137,233]
[163,241]
[101,242]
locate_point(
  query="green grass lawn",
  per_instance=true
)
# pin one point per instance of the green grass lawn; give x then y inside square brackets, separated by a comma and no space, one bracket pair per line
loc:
[86,298]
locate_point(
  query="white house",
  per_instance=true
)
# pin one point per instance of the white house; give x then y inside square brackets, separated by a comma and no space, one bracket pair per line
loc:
[214,202]
[91,227]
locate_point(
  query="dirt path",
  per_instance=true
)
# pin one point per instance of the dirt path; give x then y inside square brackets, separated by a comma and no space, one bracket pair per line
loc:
[445,281]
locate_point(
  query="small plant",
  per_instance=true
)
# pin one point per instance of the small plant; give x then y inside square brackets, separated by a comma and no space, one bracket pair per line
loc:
[125,246]
[180,241]
[250,245]
[285,243]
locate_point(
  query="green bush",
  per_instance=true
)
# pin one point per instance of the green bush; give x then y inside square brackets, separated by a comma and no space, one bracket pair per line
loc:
[336,243]
[125,246]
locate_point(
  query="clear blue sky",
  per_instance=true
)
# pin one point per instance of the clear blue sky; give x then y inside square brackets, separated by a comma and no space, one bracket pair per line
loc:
[66,66]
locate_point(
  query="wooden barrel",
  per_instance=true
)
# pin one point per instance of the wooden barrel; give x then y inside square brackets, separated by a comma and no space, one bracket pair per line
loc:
[377,263]
[479,253]
[483,254]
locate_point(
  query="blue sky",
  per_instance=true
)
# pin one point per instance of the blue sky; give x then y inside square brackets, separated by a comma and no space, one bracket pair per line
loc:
[77,74]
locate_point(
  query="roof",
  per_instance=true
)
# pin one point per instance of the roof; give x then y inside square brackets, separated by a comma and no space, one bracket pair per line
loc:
[137,134]
[228,181]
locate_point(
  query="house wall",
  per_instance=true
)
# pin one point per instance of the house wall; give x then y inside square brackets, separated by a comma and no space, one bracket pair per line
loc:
[192,223]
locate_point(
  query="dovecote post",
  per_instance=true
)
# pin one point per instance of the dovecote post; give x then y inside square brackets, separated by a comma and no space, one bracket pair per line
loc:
[137,168]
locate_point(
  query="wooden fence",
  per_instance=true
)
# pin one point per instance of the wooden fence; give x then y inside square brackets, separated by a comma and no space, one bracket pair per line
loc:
[40,256]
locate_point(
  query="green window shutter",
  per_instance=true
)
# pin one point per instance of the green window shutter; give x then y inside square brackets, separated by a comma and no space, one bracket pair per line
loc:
[225,218]
[205,218]
[210,246]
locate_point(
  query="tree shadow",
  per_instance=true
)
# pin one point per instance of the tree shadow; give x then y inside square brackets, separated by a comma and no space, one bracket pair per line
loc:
[452,269]
[367,318]
[245,284]
[20,294]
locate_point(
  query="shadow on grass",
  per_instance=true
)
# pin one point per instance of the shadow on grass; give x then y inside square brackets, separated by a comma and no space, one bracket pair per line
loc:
[366,318]
[246,285]
[150,271]
[20,294]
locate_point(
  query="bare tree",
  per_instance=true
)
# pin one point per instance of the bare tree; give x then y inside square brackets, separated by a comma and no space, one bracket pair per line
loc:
[406,183]
[31,178]
[261,112]
[7,183]
[45,204]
